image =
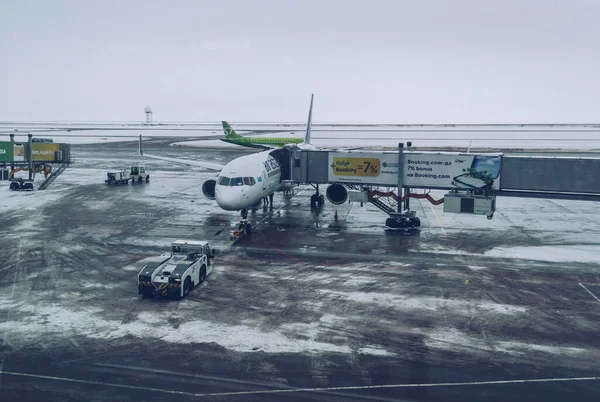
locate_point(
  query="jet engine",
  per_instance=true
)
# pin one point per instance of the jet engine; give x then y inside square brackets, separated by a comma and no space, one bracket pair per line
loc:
[336,194]
[208,188]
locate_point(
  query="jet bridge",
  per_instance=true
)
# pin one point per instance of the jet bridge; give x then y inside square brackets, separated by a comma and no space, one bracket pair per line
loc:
[473,180]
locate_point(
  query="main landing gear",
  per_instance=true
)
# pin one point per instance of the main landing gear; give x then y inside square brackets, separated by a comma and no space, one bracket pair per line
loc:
[244,227]
[316,200]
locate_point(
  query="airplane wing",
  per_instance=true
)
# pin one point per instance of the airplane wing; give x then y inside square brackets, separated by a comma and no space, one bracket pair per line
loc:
[206,165]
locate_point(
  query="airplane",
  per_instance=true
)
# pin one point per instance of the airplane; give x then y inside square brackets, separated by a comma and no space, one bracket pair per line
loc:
[264,143]
[247,180]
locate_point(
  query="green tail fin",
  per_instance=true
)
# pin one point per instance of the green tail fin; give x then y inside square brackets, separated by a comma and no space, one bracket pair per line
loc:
[230,134]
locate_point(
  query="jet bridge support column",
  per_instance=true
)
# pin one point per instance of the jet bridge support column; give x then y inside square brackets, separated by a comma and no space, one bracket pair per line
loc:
[407,189]
[12,162]
[403,219]
[400,175]
[30,155]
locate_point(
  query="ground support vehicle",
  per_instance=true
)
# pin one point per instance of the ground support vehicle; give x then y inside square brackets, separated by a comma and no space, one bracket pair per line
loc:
[138,173]
[244,227]
[116,177]
[176,273]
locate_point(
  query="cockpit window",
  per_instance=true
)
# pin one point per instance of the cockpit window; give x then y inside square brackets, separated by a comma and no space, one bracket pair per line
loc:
[247,181]
[236,181]
[224,181]
[252,181]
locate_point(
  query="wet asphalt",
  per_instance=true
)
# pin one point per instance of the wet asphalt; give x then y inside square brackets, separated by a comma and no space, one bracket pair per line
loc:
[307,308]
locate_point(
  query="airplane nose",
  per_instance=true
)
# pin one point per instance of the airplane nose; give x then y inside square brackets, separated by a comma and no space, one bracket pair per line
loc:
[227,199]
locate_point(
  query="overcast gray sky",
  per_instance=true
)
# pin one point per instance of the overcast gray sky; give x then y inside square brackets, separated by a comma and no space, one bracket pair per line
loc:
[258,60]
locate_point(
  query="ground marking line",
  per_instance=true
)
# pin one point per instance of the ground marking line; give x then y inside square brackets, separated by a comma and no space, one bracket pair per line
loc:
[281,206]
[433,385]
[197,376]
[587,290]
[324,389]
[438,220]
[49,377]
[8,266]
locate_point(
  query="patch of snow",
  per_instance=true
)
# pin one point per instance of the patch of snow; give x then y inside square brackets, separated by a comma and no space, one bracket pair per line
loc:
[427,303]
[570,253]
[374,351]
[454,340]
[521,348]
[372,137]
[44,320]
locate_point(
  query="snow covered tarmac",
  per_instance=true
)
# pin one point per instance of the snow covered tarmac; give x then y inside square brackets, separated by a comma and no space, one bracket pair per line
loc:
[305,302]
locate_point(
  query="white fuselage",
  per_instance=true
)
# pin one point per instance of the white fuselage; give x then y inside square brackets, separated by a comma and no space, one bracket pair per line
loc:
[246,180]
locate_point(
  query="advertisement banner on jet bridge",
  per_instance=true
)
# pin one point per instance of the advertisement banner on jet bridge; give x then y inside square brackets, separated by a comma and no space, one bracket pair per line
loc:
[6,151]
[364,168]
[45,151]
[452,170]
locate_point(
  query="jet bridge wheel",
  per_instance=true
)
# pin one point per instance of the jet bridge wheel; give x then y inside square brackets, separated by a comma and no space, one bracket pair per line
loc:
[394,224]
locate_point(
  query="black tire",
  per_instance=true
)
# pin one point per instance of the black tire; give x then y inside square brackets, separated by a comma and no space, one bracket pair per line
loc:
[186,287]
[147,178]
[416,222]
[140,179]
[202,276]
[413,222]
[391,223]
